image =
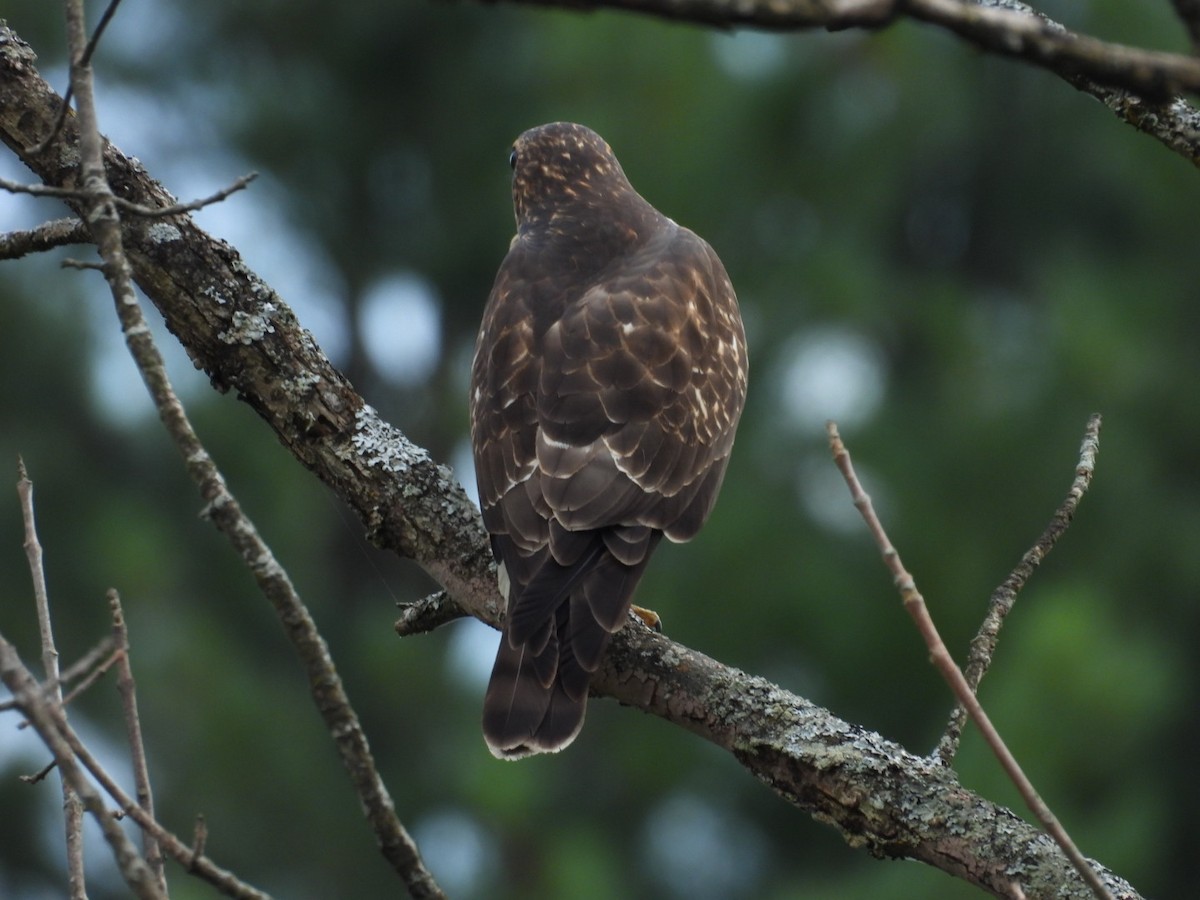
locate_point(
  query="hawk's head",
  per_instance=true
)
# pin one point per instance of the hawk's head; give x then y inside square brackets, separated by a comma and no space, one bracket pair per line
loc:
[564,173]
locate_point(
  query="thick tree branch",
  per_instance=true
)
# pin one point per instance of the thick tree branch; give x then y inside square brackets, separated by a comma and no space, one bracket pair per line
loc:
[242,334]
[1137,85]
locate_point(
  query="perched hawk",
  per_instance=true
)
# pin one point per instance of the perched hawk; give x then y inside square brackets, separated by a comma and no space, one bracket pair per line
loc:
[608,379]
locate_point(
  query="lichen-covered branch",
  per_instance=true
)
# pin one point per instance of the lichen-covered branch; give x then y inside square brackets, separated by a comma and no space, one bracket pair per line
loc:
[59,233]
[880,797]
[241,333]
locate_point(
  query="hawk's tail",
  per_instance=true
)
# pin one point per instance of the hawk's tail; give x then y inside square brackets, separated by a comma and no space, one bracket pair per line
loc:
[537,696]
[533,705]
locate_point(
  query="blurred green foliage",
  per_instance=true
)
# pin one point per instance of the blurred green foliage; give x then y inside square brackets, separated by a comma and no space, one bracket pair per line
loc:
[995,256]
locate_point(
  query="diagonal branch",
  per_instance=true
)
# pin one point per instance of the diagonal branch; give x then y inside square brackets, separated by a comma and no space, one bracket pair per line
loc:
[918,610]
[100,212]
[1000,604]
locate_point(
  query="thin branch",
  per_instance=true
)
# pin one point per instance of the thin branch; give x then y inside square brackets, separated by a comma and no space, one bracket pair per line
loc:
[199,837]
[983,645]
[428,613]
[94,41]
[133,726]
[325,684]
[51,726]
[41,773]
[137,209]
[72,806]
[915,605]
[105,646]
[85,59]
[176,209]
[1005,27]
[41,190]
[90,666]
[47,236]
[71,753]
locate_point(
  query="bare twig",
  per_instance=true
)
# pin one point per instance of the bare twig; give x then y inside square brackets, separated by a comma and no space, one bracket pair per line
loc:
[174,209]
[41,190]
[71,753]
[1006,27]
[983,645]
[47,236]
[199,837]
[51,725]
[179,208]
[33,554]
[324,682]
[1011,28]
[914,604]
[41,773]
[133,726]
[94,673]
[428,613]
[89,666]
[72,806]
[85,59]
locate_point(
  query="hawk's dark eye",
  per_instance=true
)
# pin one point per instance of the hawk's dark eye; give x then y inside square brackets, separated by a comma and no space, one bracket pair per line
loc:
[512,159]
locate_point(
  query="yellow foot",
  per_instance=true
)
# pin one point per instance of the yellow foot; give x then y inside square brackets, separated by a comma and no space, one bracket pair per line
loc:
[649,617]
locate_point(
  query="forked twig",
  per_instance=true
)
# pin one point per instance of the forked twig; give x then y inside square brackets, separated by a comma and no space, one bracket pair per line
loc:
[51,725]
[914,604]
[983,645]
[71,754]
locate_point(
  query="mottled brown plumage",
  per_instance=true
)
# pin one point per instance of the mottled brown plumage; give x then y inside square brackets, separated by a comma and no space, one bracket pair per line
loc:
[608,379]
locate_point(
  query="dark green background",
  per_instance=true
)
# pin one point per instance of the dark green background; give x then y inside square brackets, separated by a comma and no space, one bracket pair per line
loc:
[1004,254]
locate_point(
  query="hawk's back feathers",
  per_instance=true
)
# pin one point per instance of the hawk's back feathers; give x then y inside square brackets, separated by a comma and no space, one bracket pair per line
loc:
[608,379]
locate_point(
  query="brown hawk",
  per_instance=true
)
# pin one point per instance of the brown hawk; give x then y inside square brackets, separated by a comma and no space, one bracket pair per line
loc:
[608,380]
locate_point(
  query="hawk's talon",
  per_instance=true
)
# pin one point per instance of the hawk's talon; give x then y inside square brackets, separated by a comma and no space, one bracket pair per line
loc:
[649,617]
